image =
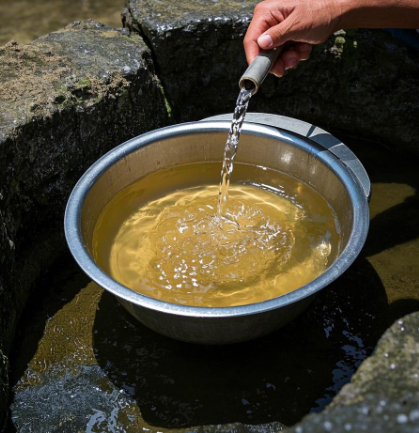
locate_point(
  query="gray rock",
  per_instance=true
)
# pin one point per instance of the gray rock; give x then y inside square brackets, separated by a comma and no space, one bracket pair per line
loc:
[362,83]
[65,99]
[383,394]
[198,50]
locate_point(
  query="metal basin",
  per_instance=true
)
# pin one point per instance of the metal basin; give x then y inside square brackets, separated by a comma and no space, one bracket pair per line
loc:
[291,146]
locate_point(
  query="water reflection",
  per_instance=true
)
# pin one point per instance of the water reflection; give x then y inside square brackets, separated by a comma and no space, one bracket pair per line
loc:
[280,377]
[91,365]
[125,377]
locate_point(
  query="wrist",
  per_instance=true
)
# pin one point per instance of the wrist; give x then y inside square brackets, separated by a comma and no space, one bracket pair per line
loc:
[350,13]
[378,13]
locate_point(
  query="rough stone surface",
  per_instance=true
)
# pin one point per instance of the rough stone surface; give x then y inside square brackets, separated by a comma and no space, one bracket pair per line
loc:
[72,95]
[383,394]
[198,47]
[65,100]
[360,82]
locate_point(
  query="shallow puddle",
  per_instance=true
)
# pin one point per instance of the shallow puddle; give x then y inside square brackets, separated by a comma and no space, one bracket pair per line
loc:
[84,364]
[18,17]
[92,367]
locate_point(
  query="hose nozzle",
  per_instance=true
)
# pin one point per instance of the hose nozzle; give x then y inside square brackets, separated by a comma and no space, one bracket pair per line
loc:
[257,71]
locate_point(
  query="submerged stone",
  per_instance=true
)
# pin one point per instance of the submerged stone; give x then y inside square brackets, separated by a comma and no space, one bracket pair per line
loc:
[65,386]
[82,360]
[65,100]
[361,82]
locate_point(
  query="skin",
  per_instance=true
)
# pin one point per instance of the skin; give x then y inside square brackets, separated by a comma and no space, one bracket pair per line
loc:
[300,24]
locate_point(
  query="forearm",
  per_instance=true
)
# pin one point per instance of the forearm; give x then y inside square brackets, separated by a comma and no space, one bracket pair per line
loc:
[308,22]
[379,14]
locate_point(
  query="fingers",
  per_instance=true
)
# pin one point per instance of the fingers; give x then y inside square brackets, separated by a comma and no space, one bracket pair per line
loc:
[290,58]
[256,28]
[278,68]
[274,24]
[287,30]
[303,49]
[264,17]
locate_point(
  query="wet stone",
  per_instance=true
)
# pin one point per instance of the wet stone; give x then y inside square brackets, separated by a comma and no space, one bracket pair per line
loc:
[198,47]
[85,364]
[361,82]
[65,99]
[119,373]
[383,394]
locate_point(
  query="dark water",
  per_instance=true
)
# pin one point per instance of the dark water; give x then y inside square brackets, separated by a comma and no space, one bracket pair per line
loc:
[25,20]
[83,364]
[93,361]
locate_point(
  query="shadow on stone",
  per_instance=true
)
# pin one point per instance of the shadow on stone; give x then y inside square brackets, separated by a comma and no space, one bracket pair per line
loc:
[56,288]
[280,377]
[395,224]
[402,307]
[50,294]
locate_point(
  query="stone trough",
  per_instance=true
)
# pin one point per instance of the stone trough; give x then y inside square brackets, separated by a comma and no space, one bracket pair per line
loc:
[72,95]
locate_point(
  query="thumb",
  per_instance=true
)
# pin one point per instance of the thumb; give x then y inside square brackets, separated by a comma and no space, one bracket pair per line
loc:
[279,34]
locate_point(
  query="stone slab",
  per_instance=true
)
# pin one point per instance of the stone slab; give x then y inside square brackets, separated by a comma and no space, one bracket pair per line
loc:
[65,99]
[360,82]
[198,50]
[383,395]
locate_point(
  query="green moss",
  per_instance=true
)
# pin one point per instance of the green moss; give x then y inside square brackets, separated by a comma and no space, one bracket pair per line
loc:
[339,41]
[71,103]
[60,87]
[84,82]
[166,102]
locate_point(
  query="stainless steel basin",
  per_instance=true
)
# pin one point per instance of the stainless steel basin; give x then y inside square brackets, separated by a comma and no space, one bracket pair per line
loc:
[291,146]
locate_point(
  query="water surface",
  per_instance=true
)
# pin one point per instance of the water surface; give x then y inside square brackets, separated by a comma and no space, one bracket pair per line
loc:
[84,364]
[25,20]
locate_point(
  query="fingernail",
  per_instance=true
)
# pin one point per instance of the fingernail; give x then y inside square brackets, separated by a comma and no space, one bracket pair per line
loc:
[265,41]
[292,63]
[277,75]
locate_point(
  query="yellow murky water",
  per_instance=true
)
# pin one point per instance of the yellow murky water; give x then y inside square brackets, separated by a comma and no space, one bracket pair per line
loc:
[175,247]
[25,20]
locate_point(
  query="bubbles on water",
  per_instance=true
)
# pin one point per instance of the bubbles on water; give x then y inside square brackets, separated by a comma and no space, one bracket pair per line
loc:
[192,242]
[273,237]
[126,70]
[76,400]
[365,410]
[328,426]
[178,247]
[402,418]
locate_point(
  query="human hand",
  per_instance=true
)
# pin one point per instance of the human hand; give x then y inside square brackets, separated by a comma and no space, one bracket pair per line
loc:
[296,23]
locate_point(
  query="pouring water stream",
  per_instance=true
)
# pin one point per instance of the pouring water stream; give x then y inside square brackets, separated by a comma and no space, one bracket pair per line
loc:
[249,84]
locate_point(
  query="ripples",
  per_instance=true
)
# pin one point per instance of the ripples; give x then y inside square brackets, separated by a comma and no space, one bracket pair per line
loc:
[179,249]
